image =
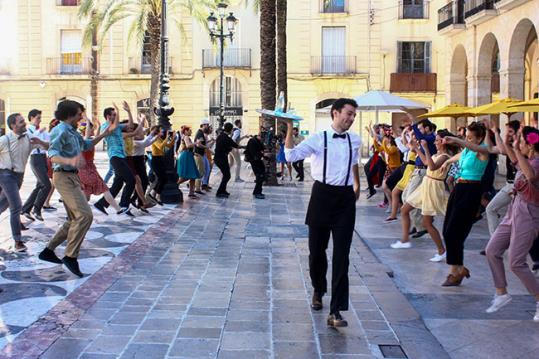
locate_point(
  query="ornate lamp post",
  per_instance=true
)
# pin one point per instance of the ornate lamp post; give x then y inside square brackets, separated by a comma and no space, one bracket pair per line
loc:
[171,193]
[217,32]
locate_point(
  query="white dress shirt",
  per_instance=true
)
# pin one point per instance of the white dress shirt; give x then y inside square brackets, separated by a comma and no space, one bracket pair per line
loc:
[14,152]
[43,135]
[338,154]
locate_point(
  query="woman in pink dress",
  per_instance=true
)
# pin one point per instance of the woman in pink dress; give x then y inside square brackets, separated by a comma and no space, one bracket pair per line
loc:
[91,181]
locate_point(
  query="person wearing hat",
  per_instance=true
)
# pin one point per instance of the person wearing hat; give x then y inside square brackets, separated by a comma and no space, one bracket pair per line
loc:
[223,145]
[200,153]
[332,208]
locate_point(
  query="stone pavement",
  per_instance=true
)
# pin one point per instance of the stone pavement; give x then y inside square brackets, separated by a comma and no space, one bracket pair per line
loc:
[455,316]
[228,279]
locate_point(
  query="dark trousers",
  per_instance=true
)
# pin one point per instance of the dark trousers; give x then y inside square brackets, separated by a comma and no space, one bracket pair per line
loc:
[224,167]
[534,252]
[459,218]
[375,169]
[318,263]
[140,170]
[160,171]
[123,177]
[36,200]
[10,184]
[298,166]
[260,175]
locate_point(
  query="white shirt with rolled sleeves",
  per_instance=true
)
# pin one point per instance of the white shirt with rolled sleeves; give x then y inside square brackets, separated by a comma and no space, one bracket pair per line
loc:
[338,153]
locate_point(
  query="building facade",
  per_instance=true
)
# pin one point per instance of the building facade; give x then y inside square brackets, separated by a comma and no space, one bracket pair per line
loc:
[492,51]
[340,48]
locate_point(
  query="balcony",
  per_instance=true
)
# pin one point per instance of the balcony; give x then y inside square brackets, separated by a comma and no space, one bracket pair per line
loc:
[334,6]
[414,11]
[67,2]
[138,65]
[451,17]
[333,65]
[413,82]
[232,58]
[507,5]
[478,11]
[69,64]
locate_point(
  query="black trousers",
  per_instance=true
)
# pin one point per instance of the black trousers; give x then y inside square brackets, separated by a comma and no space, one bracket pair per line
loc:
[224,167]
[160,170]
[461,211]
[139,164]
[534,252]
[260,175]
[318,263]
[36,200]
[123,177]
[332,211]
[378,169]
[298,166]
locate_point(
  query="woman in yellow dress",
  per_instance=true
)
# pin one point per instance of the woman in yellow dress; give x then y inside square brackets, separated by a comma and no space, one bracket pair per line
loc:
[431,196]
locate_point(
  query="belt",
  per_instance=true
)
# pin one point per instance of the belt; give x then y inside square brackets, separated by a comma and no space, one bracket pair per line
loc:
[66,171]
[410,163]
[436,179]
[460,180]
[39,154]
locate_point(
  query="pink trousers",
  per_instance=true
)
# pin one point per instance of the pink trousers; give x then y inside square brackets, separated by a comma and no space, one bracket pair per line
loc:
[516,233]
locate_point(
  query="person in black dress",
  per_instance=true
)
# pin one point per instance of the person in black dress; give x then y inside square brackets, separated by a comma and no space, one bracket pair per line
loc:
[254,153]
[223,145]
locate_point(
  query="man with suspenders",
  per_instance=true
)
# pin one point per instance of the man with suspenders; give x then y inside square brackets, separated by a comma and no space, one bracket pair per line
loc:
[332,208]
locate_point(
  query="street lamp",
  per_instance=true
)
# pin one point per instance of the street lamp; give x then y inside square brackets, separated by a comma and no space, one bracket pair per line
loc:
[216,27]
[171,193]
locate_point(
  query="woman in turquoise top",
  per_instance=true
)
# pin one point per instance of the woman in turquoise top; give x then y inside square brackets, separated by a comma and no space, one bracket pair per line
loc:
[465,198]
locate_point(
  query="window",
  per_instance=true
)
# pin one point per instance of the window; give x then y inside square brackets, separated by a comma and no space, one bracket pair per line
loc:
[332,6]
[414,57]
[146,65]
[232,94]
[333,50]
[70,50]
[413,9]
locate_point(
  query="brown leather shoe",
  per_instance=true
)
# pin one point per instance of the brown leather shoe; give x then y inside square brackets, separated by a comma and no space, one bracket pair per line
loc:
[316,303]
[456,280]
[337,321]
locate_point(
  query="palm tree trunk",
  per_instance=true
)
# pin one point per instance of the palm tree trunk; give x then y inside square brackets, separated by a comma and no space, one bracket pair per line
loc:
[282,74]
[268,82]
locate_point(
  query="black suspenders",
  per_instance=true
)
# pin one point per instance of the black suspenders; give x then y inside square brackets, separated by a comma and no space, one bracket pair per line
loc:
[326,157]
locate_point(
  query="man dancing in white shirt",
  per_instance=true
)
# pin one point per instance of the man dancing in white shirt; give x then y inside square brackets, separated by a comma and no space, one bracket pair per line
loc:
[332,209]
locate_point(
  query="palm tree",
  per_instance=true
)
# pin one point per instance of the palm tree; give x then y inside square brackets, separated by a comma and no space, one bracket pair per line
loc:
[144,18]
[282,73]
[268,81]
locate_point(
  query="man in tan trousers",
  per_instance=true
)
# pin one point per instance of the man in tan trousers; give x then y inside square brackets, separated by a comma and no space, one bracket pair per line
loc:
[64,151]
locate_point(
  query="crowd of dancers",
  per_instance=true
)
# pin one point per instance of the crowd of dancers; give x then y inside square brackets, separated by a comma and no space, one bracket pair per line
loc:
[428,173]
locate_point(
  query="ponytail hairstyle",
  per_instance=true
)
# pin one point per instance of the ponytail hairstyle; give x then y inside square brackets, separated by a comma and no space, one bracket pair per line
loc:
[479,130]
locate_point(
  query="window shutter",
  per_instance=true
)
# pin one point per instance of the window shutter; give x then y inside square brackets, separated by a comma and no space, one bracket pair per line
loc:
[428,56]
[399,56]
[71,41]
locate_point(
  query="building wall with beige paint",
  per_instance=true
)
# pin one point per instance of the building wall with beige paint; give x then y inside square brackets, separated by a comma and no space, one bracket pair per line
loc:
[372,30]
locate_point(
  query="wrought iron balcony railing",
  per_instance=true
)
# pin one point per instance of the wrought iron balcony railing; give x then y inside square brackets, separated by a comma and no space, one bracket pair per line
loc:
[451,14]
[472,7]
[239,58]
[69,64]
[333,65]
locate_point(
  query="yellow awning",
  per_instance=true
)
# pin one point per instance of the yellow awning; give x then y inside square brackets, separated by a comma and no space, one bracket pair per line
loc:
[526,106]
[496,107]
[453,110]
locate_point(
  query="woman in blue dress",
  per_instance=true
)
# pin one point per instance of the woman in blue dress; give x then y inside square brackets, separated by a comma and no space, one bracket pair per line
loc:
[186,166]
[282,159]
